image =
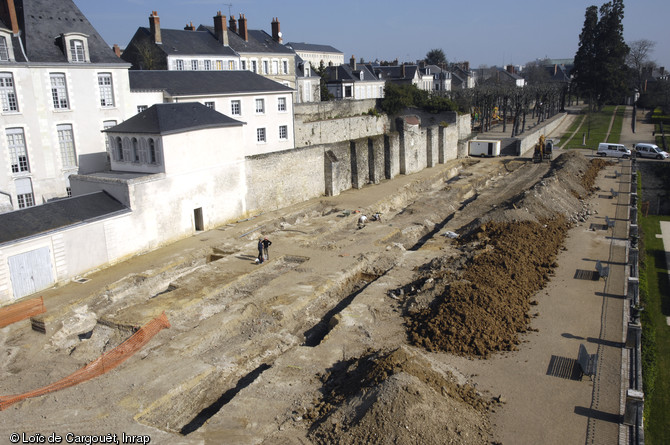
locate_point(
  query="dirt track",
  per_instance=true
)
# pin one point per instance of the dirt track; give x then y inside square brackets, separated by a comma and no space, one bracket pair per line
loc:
[257,353]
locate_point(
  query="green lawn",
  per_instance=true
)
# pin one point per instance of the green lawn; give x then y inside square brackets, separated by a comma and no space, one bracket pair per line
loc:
[593,127]
[655,294]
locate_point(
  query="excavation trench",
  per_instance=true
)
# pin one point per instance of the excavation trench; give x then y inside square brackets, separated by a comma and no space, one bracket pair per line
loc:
[315,335]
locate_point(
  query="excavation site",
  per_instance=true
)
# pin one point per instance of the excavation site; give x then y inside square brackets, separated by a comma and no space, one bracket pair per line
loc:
[434,324]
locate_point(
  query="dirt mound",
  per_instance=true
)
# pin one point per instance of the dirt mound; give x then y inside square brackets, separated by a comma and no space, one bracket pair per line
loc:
[396,397]
[483,307]
[480,303]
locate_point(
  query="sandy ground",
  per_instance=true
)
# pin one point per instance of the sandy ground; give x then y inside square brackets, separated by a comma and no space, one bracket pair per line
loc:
[253,348]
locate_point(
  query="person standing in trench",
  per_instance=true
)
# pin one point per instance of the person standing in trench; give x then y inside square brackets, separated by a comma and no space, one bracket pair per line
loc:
[266,243]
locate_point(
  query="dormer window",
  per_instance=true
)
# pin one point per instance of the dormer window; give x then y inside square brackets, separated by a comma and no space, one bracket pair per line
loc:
[360,75]
[77,50]
[75,46]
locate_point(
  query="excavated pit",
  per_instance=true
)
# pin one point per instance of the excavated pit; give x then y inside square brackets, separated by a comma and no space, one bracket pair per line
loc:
[315,335]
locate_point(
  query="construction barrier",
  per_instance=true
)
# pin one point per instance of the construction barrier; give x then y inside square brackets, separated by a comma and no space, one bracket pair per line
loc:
[20,311]
[99,366]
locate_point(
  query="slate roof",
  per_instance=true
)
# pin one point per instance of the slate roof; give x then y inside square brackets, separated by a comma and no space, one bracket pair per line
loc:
[395,72]
[181,42]
[59,214]
[41,21]
[189,83]
[172,118]
[301,46]
[347,73]
[259,42]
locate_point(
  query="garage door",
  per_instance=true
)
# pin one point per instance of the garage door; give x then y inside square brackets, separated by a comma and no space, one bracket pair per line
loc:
[30,272]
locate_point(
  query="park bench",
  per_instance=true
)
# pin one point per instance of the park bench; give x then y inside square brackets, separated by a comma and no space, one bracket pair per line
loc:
[587,362]
[603,271]
[614,193]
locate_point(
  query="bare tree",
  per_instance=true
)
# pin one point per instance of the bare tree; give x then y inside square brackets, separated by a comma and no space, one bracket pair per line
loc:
[638,59]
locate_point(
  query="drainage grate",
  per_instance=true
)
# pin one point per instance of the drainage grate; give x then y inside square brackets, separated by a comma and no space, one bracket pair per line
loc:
[591,275]
[81,280]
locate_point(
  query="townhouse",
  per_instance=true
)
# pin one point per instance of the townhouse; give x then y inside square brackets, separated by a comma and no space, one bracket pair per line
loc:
[354,81]
[264,106]
[60,85]
[227,45]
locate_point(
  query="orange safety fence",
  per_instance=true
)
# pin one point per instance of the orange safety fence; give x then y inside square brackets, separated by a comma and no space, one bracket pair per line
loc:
[20,311]
[99,366]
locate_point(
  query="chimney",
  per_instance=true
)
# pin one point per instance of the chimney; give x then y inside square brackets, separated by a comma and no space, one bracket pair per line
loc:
[352,62]
[155,27]
[243,28]
[510,69]
[233,24]
[220,28]
[555,69]
[276,33]
[117,50]
[189,27]
[8,15]
[404,73]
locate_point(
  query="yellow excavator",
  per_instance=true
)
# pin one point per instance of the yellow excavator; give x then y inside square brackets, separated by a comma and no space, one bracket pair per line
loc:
[543,149]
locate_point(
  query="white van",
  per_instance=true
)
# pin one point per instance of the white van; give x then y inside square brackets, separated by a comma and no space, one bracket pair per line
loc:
[649,151]
[613,150]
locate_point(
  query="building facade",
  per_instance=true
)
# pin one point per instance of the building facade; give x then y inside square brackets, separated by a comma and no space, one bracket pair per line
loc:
[60,85]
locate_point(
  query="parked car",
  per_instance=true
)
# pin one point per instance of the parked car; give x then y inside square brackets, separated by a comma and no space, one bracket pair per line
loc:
[649,151]
[613,150]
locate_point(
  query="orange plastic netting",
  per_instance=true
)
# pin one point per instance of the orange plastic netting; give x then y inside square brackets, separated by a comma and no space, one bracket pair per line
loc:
[20,311]
[99,366]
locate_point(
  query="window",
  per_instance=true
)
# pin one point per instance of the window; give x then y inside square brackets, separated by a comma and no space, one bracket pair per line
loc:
[283,132]
[266,67]
[77,50]
[254,66]
[208,65]
[105,126]
[141,108]
[24,192]
[106,90]
[7,93]
[66,141]
[59,91]
[235,108]
[136,150]
[285,66]
[244,64]
[281,104]
[260,135]
[153,155]
[210,105]
[25,200]
[347,91]
[231,65]
[4,50]
[119,149]
[179,65]
[275,67]
[260,106]
[18,156]
[194,65]
[219,65]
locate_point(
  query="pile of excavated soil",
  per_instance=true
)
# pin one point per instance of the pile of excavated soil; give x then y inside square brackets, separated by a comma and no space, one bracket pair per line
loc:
[479,303]
[396,397]
[484,307]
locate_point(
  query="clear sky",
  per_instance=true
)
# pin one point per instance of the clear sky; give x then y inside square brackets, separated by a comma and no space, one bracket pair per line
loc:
[485,32]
